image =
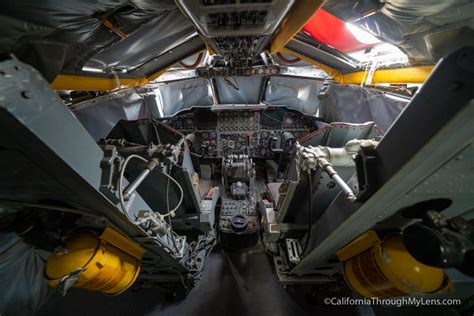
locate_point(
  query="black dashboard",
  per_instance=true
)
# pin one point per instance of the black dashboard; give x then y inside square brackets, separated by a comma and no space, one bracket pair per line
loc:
[256,130]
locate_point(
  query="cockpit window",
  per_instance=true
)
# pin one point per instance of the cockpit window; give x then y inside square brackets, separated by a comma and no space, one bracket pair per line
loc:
[173,97]
[239,89]
[296,93]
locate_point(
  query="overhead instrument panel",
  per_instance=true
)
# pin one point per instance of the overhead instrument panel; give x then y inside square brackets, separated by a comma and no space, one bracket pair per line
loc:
[238,30]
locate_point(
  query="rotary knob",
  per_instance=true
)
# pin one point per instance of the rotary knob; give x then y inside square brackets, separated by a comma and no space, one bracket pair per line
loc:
[238,223]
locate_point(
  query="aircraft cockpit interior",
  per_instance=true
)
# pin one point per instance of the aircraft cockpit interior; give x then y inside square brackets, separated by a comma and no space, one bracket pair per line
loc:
[236,157]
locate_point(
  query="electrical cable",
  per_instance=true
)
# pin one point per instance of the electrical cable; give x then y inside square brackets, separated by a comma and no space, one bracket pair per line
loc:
[168,214]
[310,211]
[180,199]
[120,188]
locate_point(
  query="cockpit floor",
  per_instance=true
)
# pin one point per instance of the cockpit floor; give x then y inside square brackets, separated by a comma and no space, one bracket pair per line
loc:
[233,283]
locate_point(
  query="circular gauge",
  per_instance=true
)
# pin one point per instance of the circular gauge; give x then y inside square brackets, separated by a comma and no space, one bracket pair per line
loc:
[230,144]
[205,135]
[288,121]
[238,145]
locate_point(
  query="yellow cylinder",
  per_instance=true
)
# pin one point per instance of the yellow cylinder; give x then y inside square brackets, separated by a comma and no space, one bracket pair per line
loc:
[109,263]
[386,269]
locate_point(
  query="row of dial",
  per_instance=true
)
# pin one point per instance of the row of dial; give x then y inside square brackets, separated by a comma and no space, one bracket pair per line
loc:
[214,144]
[238,121]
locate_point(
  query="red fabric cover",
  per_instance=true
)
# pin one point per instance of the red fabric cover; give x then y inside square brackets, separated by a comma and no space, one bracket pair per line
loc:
[330,30]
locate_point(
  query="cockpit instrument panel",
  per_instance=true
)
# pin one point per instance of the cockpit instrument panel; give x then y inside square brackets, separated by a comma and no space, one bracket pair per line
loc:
[258,133]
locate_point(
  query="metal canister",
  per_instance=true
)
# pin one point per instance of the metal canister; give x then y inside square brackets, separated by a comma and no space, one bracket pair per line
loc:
[109,263]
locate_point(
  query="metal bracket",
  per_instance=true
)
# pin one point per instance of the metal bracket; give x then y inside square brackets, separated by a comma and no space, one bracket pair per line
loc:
[110,165]
[294,250]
